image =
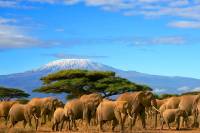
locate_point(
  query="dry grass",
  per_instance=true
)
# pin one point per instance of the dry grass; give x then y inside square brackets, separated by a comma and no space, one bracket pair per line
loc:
[93,129]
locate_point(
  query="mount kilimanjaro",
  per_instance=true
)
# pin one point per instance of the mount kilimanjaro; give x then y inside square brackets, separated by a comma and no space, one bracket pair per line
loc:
[30,80]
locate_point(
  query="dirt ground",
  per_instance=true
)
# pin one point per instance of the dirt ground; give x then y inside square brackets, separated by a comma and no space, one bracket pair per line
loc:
[93,129]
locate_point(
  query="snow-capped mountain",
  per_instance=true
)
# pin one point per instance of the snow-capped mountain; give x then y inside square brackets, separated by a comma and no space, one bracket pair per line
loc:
[30,80]
[73,64]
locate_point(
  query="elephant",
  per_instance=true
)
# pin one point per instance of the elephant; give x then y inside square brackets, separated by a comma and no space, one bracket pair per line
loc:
[90,104]
[189,104]
[171,115]
[47,106]
[74,106]
[114,111]
[24,112]
[59,118]
[137,102]
[83,108]
[196,111]
[4,109]
[184,102]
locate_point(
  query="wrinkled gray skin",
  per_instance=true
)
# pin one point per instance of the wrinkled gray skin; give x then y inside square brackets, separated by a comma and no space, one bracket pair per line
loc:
[83,108]
[47,106]
[114,111]
[4,109]
[171,115]
[21,112]
[59,119]
[137,102]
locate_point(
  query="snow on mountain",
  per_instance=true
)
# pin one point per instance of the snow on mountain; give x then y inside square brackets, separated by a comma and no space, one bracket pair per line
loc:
[74,64]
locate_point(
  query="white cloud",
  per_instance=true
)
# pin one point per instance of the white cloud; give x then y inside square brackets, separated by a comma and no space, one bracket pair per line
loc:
[157,90]
[184,89]
[60,30]
[14,36]
[196,89]
[185,24]
[74,56]
[9,3]
[187,9]
[163,40]
[5,20]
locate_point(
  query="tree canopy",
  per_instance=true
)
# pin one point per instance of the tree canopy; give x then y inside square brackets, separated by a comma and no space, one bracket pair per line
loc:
[78,82]
[10,93]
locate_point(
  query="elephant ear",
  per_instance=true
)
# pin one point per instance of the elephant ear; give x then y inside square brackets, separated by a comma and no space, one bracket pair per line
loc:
[147,98]
[121,106]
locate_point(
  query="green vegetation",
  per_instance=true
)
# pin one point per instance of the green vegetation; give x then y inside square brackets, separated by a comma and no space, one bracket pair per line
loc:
[191,93]
[163,96]
[78,82]
[10,93]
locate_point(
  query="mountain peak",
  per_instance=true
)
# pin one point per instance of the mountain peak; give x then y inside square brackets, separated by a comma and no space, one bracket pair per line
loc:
[65,62]
[73,64]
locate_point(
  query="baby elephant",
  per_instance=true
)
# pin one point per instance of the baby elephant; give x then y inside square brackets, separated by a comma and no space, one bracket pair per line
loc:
[171,115]
[59,118]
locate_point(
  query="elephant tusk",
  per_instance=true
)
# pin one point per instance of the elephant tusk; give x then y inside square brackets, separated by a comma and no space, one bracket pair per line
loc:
[129,115]
[156,109]
[35,116]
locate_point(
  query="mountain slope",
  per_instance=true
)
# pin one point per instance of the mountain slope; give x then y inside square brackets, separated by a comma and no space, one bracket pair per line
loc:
[31,79]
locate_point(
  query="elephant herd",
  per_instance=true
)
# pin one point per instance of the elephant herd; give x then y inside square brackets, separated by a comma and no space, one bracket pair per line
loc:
[93,109]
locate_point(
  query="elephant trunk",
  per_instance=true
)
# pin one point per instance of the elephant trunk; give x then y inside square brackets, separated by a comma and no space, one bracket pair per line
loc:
[35,117]
[129,115]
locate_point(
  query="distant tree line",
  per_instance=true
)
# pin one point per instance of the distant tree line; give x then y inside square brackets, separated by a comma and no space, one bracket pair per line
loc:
[7,94]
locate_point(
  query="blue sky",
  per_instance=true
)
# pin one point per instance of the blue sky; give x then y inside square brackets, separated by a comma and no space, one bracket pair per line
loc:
[151,36]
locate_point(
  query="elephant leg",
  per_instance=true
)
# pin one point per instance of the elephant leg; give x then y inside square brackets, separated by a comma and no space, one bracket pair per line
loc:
[162,123]
[69,126]
[155,118]
[101,125]
[53,126]
[49,117]
[24,123]
[29,122]
[142,118]
[114,123]
[74,123]
[13,123]
[36,123]
[56,126]
[62,123]
[44,122]
[123,120]
[168,125]
[119,118]
[132,121]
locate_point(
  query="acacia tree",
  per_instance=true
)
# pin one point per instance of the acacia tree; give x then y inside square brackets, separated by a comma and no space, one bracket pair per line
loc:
[10,93]
[78,82]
